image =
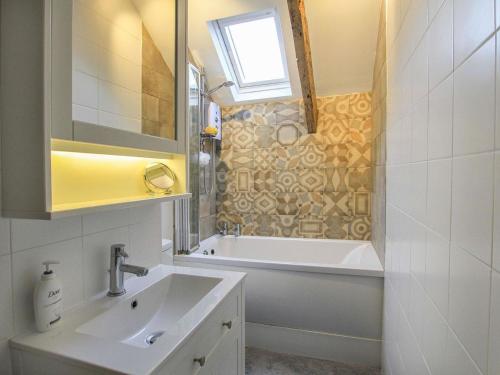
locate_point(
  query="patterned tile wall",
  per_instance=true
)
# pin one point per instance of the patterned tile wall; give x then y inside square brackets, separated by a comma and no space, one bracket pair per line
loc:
[275,179]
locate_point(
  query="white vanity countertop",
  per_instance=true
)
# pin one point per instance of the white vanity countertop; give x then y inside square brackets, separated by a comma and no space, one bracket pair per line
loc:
[66,342]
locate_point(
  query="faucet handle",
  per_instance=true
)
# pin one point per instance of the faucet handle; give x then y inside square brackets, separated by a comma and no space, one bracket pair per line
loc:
[118,250]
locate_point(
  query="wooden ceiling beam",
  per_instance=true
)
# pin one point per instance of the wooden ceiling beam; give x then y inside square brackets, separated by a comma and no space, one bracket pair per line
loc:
[297,11]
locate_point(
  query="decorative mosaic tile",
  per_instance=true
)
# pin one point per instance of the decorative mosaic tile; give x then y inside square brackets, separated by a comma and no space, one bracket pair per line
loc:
[310,204]
[337,227]
[265,203]
[362,204]
[360,179]
[336,179]
[360,104]
[244,180]
[311,179]
[264,225]
[265,158]
[265,136]
[241,202]
[263,114]
[226,137]
[312,157]
[287,203]
[359,155]
[287,112]
[287,226]
[334,130]
[336,156]
[240,158]
[245,221]
[242,137]
[337,106]
[311,226]
[225,203]
[337,203]
[312,139]
[288,181]
[360,130]
[360,228]
[264,180]
[225,182]
[288,135]
[288,157]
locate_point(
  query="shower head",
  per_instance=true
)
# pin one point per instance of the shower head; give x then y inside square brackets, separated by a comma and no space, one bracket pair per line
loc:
[223,84]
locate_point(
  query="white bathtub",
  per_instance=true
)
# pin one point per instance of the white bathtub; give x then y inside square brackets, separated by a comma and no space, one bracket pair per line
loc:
[318,298]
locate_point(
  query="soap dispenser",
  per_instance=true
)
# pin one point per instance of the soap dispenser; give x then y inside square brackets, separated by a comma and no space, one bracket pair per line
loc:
[47,299]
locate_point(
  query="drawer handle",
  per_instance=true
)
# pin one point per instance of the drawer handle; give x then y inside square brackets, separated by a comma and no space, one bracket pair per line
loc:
[228,324]
[201,361]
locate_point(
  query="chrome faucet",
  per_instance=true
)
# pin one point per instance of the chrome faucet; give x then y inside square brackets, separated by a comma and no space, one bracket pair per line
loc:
[223,231]
[237,230]
[117,268]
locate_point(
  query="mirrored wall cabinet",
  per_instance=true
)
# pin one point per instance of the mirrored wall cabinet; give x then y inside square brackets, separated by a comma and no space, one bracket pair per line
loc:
[93,93]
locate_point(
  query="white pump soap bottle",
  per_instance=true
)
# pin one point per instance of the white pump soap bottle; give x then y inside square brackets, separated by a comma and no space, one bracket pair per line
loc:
[47,299]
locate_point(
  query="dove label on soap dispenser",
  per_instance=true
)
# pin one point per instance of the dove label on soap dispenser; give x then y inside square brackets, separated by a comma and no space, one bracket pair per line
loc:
[47,299]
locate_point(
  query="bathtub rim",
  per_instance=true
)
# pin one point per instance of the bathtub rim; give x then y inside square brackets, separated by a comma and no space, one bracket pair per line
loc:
[196,257]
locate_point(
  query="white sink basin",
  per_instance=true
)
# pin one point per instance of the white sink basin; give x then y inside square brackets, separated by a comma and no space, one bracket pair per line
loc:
[141,320]
[138,332]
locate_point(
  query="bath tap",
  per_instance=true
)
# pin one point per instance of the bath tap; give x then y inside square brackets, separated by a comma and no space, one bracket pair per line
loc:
[223,231]
[237,230]
[117,269]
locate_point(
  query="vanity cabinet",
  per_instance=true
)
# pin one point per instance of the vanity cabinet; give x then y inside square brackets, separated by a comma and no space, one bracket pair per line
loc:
[217,347]
[84,80]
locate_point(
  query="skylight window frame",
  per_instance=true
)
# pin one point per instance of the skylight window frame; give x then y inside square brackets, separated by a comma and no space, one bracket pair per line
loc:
[232,60]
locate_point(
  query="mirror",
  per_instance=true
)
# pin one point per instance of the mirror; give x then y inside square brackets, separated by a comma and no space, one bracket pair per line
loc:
[159,178]
[124,65]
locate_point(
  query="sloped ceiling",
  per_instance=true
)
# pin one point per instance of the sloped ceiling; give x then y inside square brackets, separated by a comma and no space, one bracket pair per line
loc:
[343,36]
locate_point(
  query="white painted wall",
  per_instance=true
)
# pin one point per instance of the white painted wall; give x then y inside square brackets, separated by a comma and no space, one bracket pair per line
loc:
[343,37]
[107,63]
[442,292]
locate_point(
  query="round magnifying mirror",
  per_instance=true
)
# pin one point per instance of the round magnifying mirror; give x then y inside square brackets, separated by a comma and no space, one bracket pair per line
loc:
[159,178]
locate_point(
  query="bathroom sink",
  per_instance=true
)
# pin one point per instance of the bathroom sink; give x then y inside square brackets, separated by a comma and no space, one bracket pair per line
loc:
[138,332]
[148,315]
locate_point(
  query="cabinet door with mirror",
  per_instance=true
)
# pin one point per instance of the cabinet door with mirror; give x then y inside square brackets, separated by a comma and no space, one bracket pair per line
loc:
[124,72]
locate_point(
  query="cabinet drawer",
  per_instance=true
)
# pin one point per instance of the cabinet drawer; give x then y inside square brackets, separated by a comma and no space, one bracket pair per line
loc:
[224,322]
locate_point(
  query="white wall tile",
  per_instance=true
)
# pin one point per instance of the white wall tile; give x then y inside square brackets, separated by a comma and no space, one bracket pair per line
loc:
[437,270]
[474,102]
[420,71]
[85,90]
[441,44]
[457,360]
[85,114]
[27,268]
[439,196]
[102,221]
[5,364]
[418,190]
[119,100]
[434,339]
[121,71]
[469,303]
[474,21]
[472,209]
[6,317]
[494,358]
[434,6]
[145,243]
[120,122]
[87,56]
[30,233]
[419,127]
[496,217]
[418,250]
[4,236]
[441,120]
[96,248]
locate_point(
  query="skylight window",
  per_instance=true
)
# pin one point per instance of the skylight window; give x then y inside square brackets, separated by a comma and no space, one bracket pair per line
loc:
[251,50]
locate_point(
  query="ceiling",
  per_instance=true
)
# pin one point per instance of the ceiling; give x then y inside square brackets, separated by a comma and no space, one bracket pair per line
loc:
[343,35]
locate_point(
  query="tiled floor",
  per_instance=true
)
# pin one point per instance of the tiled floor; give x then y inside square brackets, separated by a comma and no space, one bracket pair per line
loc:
[261,362]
